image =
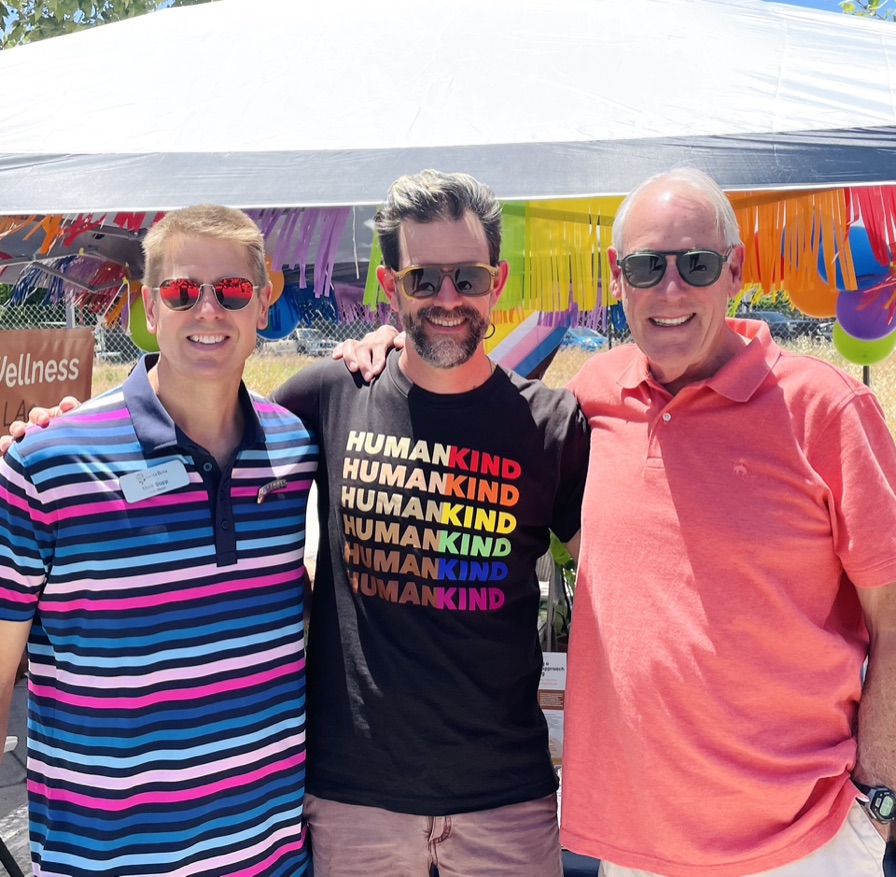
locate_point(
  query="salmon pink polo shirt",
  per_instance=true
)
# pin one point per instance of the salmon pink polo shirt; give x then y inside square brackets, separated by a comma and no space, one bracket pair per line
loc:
[717,638]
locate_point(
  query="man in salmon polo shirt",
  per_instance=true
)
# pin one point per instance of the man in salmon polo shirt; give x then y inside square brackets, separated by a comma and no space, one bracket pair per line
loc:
[737,562]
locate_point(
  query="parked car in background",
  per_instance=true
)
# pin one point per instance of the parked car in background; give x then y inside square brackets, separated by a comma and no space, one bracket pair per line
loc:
[821,330]
[298,341]
[305,339]
[785,328]
[583,338]
[780,325]
[323,347]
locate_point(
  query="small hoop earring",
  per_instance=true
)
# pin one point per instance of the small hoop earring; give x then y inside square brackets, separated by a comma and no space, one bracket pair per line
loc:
[490,333]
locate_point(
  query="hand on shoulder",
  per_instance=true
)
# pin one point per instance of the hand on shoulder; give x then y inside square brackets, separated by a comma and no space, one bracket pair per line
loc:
[36,417]
[368,355]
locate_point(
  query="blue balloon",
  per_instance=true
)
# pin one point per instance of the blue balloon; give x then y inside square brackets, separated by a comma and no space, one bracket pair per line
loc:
[868,270]
[284,315]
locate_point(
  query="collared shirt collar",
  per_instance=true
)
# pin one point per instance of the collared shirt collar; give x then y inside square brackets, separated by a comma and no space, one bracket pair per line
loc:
[738,379]
[153,424]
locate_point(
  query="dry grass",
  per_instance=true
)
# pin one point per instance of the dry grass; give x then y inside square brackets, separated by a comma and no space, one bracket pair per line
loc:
[264,373]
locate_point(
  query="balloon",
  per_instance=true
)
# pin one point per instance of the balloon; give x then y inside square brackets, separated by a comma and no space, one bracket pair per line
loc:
[283,316]
[818,300]
[140,335]
[863,261]
[863,352]
[277,282]
[277,279]
[862,258]
[865,315]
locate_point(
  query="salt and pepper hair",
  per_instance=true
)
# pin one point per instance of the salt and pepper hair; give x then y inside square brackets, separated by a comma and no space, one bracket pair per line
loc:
[703,184]
[432,196]
[205,221]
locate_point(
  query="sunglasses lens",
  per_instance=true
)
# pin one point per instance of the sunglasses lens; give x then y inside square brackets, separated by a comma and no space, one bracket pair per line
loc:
[426,282]
[234,293]
[180,294]
[472,280]
[422,282]
[643,270]
[700,267]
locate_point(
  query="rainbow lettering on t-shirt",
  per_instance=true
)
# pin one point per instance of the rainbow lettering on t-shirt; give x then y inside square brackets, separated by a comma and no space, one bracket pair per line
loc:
[426,523]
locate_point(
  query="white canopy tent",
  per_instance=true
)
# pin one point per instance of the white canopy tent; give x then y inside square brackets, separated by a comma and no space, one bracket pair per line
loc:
[266,103]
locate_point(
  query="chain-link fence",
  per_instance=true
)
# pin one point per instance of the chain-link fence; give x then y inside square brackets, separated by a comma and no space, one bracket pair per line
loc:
[115,352]
[276,360]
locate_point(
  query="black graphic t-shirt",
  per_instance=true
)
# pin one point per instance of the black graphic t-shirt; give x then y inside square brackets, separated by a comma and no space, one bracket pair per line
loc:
[424,659]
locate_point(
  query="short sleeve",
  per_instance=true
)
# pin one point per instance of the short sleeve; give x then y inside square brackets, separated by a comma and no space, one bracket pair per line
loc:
[856,456]
[26,543]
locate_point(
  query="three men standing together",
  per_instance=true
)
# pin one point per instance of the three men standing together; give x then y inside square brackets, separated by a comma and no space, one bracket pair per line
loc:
[737,567]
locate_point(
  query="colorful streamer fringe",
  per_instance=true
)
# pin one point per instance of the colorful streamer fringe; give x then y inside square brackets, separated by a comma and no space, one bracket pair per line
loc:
[795,243]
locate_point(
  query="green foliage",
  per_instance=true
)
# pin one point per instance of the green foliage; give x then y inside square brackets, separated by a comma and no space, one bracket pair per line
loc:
[25,21]
[869,9]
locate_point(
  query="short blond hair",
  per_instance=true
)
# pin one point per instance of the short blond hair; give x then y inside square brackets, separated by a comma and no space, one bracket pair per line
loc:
[203,220]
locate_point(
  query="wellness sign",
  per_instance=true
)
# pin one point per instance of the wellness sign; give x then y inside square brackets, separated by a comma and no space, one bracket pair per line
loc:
[40,366]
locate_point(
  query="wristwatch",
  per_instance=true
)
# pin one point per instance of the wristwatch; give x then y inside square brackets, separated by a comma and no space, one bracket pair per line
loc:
[881,802]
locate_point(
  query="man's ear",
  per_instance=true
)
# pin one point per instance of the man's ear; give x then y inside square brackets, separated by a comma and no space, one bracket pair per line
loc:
[500,280]
[150,303]
[264,296]
[615,274]
[735,265]
[386,280]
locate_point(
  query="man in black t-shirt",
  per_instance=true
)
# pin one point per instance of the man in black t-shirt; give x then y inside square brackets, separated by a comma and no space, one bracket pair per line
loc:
[439,484]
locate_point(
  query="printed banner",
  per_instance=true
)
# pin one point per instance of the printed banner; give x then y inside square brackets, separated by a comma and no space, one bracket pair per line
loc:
[40,366]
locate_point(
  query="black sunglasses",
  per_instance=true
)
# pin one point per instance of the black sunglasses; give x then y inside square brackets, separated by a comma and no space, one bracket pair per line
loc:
[695,267]
[181,293]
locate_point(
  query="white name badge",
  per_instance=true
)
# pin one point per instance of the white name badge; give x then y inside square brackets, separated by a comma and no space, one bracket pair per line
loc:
[152,482]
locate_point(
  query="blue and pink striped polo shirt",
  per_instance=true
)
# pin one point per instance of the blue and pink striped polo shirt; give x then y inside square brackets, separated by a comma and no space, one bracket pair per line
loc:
[166,716]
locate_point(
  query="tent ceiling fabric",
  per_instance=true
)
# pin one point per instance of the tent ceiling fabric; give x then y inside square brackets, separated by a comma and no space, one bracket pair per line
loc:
[266,103]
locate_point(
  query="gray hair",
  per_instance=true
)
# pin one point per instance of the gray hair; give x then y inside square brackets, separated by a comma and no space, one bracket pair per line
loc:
[431,196]
[726,221]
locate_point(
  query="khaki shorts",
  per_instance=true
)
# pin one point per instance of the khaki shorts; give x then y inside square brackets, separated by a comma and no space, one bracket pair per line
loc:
[520,840]
[857,850]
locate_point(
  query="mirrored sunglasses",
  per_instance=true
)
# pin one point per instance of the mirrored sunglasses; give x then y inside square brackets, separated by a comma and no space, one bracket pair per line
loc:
[425,281]
[695,267]
[181,293]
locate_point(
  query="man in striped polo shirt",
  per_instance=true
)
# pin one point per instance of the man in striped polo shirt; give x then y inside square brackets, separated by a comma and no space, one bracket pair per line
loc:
[151,557]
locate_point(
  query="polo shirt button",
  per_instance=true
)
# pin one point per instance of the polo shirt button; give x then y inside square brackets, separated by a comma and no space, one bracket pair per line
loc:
[225,525]
[667,417]
[207,467]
